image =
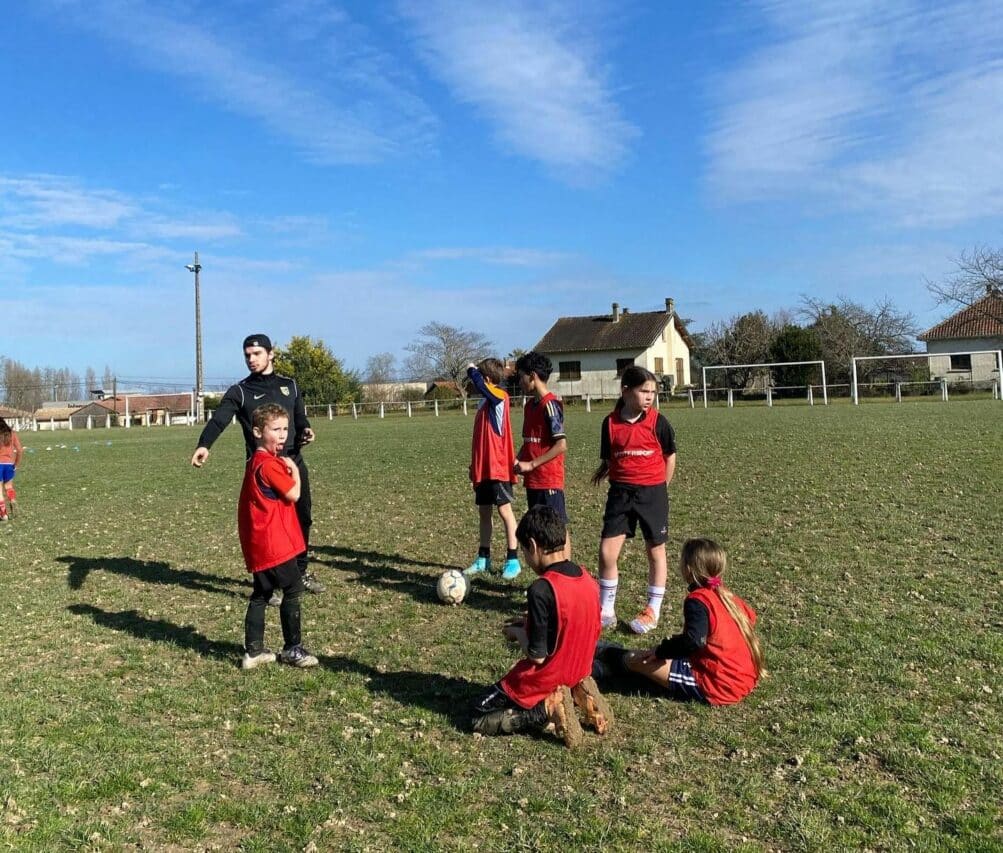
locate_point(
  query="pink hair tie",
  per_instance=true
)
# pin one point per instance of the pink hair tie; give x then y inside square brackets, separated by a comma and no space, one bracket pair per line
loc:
[713,582]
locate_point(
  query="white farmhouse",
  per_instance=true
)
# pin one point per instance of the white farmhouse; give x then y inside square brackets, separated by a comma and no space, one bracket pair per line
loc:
[977,327]
[590,353]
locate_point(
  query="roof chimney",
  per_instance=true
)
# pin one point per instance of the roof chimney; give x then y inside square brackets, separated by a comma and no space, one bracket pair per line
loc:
[616,312]
[670,306]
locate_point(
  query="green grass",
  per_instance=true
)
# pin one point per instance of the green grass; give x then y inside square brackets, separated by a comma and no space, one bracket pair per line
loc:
[868,539]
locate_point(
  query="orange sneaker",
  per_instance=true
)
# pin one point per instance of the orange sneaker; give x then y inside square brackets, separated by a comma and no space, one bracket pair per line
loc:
[593,705]
[644,622]
[561,713]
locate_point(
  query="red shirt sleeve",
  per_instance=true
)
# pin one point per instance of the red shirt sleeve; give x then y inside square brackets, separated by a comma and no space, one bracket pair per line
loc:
[273,474]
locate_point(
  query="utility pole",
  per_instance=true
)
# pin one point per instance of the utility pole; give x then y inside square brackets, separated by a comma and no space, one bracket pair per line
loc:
[199,378]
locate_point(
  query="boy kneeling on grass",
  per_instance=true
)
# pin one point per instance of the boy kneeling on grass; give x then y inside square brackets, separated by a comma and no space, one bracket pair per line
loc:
[271,539]
[558,636]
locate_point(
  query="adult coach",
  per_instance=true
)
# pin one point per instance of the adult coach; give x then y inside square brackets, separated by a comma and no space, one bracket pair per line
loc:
[264,385]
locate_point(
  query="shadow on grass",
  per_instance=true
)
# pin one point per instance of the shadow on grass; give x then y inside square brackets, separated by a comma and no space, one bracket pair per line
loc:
[445,695]
[375,569]
[148,571]
[161,631]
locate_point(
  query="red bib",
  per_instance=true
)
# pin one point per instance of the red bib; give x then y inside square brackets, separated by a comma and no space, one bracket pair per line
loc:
[578,628]
[269,530]
[723,669]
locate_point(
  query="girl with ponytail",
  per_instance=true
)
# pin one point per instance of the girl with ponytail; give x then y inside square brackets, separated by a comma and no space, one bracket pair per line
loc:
[717,657]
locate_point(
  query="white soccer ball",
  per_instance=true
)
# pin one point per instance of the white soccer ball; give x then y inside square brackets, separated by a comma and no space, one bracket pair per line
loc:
[452,587]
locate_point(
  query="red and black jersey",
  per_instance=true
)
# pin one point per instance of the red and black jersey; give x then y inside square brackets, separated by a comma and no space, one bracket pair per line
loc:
[635,451]
[724,669]
[492,452]
[576,615]
[542,426]
[270,532]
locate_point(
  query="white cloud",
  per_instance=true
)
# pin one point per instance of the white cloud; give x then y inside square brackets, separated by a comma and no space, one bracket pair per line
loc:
[495,255]
[374,118]
[528,69]
[41,201]
[890,108]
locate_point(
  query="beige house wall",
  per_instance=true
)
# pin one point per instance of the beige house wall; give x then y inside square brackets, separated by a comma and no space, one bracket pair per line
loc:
[984,365]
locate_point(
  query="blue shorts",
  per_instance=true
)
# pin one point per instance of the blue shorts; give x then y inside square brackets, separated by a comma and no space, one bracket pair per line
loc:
[554,498]
[682,684]
[6,472]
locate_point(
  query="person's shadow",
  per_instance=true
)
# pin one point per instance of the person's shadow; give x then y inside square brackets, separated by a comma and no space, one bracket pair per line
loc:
[160,631]
[148,571]
[376,569]
[447,696]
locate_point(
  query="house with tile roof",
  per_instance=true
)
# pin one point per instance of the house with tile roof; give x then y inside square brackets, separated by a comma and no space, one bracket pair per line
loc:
[978,326]
[590,353]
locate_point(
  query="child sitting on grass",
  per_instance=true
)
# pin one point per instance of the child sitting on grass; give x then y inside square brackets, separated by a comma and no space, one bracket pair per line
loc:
[558,636]
[716,658]
[271,539]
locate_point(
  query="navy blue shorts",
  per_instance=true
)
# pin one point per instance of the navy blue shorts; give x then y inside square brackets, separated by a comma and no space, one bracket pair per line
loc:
[554,498]
[6,472]
[682,685]
[493,493]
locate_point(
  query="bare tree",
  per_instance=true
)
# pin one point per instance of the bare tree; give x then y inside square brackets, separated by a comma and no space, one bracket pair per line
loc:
[381,369]
[443,352]
[846,328]
[740,340]
[978,273]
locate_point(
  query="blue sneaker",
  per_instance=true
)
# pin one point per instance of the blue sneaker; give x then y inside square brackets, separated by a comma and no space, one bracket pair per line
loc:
[511,569]
[478,566]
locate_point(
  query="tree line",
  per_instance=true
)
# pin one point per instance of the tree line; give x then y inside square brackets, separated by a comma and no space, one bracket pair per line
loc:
[26,388]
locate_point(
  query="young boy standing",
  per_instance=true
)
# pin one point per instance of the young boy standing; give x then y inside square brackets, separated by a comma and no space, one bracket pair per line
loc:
[271,539]
[492,462]
[558,637]
[541,458]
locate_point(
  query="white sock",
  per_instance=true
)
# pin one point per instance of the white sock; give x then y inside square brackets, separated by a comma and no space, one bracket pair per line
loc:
[655,596]
[607,595]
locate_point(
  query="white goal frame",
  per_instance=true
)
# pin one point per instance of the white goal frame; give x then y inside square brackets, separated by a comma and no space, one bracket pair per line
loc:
[825,385]
[927,355]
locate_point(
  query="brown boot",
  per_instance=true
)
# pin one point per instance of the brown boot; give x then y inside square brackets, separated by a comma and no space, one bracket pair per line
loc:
[561,712]
[595,709]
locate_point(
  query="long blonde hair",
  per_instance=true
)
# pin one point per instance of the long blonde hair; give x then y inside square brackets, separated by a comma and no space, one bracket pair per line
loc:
[702,560]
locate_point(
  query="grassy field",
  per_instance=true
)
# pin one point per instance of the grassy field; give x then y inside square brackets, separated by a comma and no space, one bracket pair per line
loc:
[869,541]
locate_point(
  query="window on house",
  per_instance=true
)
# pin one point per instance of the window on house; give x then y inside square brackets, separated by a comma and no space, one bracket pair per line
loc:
[961,362]
[569,371]
[622,364]
[659,366]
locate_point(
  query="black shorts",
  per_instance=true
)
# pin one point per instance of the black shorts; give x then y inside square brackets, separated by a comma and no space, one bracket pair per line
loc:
[627,505]
[493,493]
[554,498]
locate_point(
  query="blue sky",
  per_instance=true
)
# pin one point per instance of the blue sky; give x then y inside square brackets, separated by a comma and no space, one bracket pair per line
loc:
[351,171]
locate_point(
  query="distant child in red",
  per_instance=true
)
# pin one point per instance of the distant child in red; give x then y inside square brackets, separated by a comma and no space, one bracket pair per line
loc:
[558,637]
[717,657]
[492,462]
[271,539]
[541,458]
[638,454]
[10,455]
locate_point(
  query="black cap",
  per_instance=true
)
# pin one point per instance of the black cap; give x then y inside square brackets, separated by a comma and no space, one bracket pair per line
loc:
[258,341]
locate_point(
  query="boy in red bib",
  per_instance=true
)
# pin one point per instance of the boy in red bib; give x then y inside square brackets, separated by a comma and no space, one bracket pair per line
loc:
[541,458]
[558,637]
[492,460]
[271,539]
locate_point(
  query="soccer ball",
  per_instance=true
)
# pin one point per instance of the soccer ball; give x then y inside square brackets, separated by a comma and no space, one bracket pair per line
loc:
[452,587]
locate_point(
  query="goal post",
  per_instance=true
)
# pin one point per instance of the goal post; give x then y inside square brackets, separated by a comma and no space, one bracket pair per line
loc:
[819,362]
[855,385]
